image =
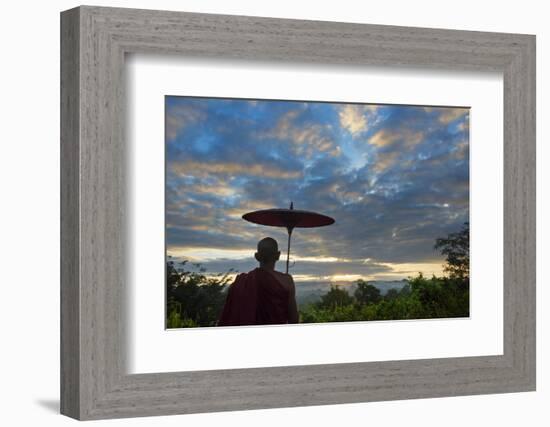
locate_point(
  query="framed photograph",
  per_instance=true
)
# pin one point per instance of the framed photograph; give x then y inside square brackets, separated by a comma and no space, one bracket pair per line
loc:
[262,213]
[391,177]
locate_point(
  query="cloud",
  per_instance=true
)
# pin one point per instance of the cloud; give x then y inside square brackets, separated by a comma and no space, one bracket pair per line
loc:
[304,270]
[352,119]
[446,115]
[449,115]
[461,150]
[204,169]
[180,116]
[387,137]
[355,117]
[393,187]
[284,127]
[304,137]
[386,160]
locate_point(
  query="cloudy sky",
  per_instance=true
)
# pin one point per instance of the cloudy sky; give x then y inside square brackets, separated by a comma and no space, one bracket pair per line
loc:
[394,178]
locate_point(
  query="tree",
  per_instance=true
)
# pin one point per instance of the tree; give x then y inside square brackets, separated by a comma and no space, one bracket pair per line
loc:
[335,297]
[405,290]
[456,248]
[391,294]
[367,293]
[193,299]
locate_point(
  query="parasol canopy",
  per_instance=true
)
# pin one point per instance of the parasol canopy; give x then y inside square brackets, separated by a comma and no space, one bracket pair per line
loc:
[290,219]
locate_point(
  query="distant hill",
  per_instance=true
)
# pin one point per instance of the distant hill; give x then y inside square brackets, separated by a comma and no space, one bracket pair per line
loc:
[309,292]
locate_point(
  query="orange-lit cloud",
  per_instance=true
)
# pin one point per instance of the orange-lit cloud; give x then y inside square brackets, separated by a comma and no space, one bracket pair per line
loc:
[385,137]
[386,160]
[198,254]
[178,117]
[448,115]
[306,138]
[353,117]
[204,169]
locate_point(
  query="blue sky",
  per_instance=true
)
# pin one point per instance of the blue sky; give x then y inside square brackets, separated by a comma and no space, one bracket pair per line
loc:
[394,178]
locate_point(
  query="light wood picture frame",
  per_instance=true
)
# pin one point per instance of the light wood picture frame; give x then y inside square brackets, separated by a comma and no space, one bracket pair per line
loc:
[94,41]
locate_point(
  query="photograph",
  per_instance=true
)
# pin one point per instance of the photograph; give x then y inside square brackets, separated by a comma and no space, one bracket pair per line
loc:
[293,211]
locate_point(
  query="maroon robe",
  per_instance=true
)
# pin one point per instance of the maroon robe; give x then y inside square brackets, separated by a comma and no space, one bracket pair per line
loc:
[255,298]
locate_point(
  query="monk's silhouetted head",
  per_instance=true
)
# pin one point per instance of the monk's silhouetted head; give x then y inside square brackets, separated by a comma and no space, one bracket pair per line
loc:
[268,251]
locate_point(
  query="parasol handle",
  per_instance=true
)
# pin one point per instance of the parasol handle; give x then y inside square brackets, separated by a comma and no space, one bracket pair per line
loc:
[289,229]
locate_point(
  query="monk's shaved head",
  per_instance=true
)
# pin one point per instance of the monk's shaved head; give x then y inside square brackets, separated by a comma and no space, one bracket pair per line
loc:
[268,244]
[268,250]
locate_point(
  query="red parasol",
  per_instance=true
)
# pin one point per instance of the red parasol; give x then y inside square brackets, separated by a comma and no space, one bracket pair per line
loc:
[288,218]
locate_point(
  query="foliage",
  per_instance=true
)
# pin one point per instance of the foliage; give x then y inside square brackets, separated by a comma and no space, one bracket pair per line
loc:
[367,293]
[335,298]
[422,298]
[391,294]
[456,247]
[193,299]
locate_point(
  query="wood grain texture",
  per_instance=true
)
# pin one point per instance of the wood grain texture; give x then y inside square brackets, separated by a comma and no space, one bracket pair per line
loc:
[94,380]
[70,262]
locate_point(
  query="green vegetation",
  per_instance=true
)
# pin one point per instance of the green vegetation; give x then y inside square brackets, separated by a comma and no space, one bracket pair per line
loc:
[422,298]
[456,247]
[193,299]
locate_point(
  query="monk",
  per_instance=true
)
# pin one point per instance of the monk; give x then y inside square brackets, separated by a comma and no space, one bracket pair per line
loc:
[262,296]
